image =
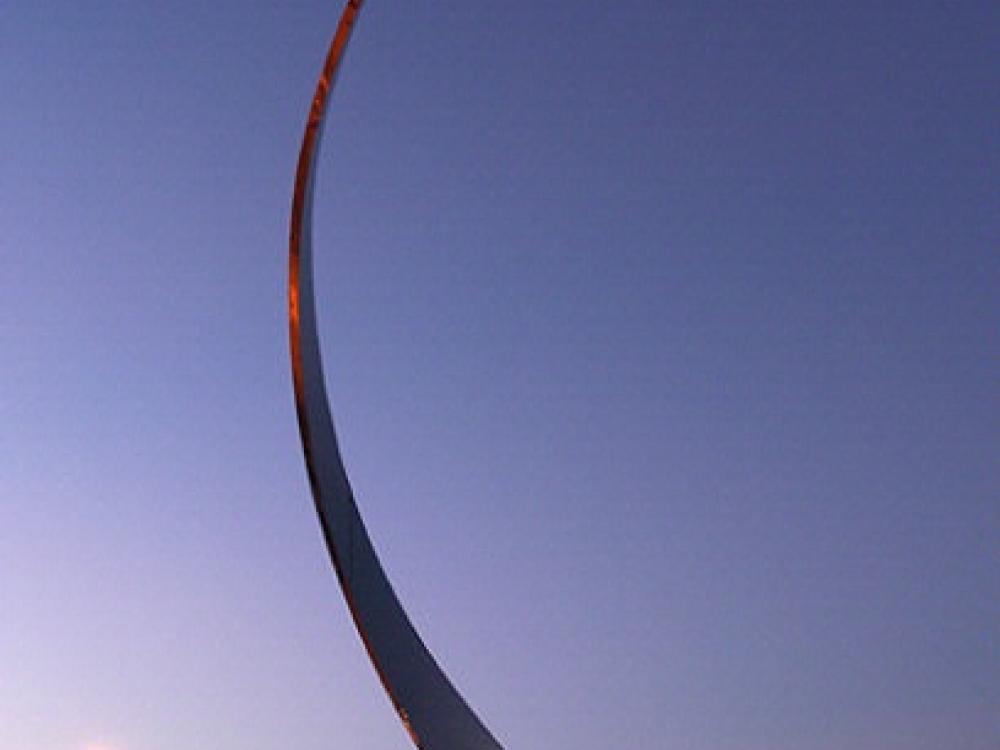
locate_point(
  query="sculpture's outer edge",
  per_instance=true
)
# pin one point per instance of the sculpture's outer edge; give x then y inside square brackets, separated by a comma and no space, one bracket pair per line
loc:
[433,713]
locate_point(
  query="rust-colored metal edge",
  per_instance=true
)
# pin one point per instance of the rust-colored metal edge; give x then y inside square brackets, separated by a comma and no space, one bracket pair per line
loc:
[301,204]
[306,358]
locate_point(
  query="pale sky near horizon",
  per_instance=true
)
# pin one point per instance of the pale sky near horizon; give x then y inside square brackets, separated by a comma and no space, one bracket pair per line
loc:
[662,339]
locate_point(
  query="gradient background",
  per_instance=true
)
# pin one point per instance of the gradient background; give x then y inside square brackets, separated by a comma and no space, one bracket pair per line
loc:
[662,339]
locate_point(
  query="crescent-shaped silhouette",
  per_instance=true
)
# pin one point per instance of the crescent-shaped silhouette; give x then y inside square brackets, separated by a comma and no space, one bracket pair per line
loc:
[433,713]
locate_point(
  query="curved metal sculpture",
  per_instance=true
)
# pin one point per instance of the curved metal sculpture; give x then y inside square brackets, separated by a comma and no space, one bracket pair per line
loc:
[433,713]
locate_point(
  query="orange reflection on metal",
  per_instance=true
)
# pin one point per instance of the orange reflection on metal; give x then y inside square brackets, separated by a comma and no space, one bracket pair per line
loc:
[409,673]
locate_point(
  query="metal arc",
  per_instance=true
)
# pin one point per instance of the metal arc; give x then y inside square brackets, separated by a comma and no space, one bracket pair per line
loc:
[433,712]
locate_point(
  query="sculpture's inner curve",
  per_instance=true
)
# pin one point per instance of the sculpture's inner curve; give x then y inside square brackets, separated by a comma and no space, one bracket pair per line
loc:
[433,712]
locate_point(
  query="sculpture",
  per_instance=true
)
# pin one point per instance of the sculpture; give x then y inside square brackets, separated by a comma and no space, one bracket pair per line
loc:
[433,713]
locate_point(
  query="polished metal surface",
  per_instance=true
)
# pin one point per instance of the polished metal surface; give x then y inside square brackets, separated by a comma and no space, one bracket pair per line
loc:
[433,713]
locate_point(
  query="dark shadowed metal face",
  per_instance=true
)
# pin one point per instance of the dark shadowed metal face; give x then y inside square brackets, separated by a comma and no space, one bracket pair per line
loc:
[433,712]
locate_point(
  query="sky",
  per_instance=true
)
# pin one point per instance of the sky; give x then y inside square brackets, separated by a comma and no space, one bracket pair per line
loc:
[661,339]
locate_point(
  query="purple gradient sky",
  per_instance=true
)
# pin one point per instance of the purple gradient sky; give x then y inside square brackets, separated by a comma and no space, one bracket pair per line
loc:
[662,338]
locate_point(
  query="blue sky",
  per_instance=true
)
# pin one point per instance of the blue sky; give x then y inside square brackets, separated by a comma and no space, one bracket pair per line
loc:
[662,341]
